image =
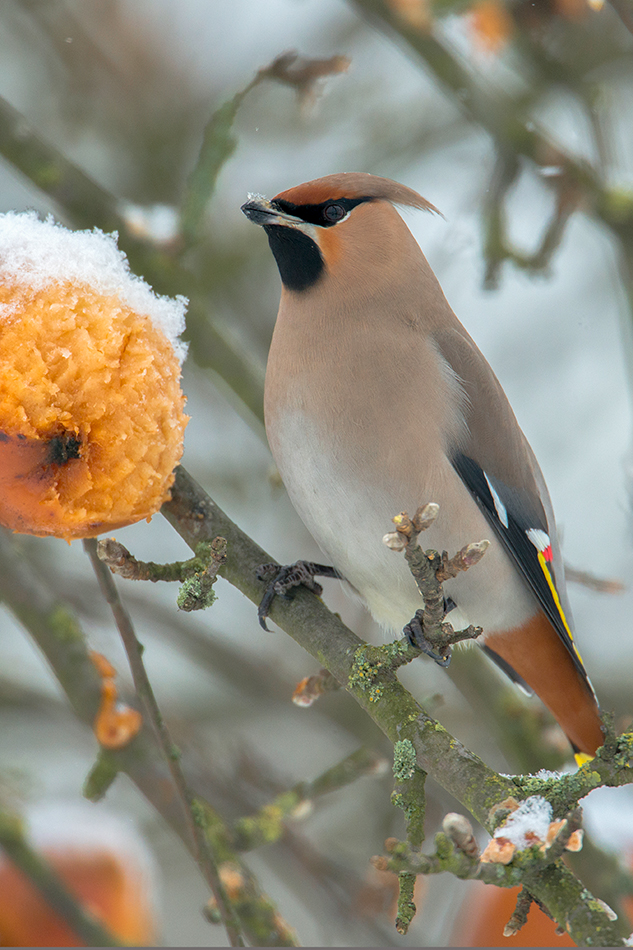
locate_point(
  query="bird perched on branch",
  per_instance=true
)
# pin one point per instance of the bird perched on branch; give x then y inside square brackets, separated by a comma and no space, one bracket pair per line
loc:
[377,400]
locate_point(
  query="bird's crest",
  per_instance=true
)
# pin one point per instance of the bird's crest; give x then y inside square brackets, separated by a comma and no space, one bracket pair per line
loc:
[355,185]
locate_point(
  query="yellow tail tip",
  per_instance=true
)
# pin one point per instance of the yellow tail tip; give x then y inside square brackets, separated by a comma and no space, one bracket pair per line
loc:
[582,758]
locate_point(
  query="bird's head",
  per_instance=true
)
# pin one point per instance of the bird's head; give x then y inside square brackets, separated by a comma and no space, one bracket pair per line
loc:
[342,228]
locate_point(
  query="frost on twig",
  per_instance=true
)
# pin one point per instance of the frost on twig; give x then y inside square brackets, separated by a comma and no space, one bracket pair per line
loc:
[530,824]
[428,629]
[526,843]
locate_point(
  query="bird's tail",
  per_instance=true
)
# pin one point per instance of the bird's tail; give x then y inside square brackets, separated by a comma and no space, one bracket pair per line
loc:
[539,656]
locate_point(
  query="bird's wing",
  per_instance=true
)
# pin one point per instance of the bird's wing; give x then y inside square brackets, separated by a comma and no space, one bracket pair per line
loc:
[498,467]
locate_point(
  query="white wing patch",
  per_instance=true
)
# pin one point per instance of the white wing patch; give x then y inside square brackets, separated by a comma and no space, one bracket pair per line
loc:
[539,538]
[500,508]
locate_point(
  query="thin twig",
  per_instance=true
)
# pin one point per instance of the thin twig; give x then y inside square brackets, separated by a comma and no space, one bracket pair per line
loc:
[519,914]
[308,690]
[498,246]
[268,823]
[428,629]
[219,141]
[601,585]
[204,852]
[122,562]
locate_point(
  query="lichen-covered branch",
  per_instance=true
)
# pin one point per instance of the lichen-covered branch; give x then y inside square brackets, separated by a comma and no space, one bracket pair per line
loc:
[408,795]
[370,678]
[120,561]
[197,575]
[539,870]
[196,517]
[258,916]
[519,914]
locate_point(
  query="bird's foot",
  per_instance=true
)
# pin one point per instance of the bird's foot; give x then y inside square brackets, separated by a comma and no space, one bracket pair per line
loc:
[282,580]
[415,635]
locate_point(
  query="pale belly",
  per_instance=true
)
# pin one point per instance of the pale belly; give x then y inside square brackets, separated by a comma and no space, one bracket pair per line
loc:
[348,508]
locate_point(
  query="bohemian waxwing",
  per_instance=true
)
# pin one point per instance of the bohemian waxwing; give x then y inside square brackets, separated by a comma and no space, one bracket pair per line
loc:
[377,400]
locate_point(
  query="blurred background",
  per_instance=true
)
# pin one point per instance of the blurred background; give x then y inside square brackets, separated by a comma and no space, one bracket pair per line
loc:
[514,118]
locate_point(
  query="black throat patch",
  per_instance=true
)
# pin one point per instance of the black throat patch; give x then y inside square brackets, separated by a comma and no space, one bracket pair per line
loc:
[298,257]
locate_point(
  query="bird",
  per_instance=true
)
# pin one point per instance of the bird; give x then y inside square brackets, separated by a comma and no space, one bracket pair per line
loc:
[377,400]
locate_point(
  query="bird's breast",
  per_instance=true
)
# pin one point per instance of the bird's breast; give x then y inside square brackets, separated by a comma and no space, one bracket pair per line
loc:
[357,438]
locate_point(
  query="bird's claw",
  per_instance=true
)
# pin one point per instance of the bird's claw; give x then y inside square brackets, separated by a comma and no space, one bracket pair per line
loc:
[283,578]
[415,635]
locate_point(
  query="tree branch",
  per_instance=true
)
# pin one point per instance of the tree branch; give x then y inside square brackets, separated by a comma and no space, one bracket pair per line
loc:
[373,685]
[203,846]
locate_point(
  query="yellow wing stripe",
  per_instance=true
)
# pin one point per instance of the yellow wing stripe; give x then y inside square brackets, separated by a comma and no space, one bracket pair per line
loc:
[554,593]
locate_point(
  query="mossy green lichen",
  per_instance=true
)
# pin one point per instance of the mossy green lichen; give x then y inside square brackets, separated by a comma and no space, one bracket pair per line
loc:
[373,663]
[397,649]
[407,808]
[196,593]
[406,905]
[101,776]
[267,825]
[618,204]
[404,760]
[65,626]
[443,846]
[365,669]
[199,814]
[562,791]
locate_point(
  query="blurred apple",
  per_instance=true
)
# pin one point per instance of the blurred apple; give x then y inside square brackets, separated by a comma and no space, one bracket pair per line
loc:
[488,909]
[102,860]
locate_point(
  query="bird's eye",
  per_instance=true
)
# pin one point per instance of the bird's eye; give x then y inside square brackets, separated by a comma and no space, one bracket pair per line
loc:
[334,213]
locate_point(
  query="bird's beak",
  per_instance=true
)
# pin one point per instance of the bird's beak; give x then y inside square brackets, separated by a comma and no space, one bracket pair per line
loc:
[262,211]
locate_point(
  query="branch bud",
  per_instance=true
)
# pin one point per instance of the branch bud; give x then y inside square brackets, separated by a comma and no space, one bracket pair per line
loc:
[395,540]
[474,552]
[425,516]
[460,831]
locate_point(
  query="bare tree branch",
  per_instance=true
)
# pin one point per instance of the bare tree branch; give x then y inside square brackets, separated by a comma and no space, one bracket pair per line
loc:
[203,847]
